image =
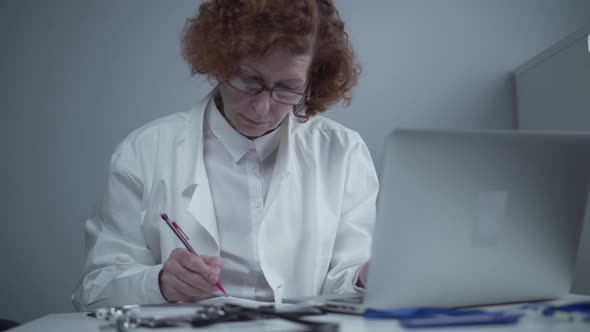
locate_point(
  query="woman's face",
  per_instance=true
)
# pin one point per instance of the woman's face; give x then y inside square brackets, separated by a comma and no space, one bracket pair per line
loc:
[256,115]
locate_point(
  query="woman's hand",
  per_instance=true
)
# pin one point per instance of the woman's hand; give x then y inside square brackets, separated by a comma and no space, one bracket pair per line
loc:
[189,278]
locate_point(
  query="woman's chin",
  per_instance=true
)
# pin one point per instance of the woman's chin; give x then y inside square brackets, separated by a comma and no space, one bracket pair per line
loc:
[252,132]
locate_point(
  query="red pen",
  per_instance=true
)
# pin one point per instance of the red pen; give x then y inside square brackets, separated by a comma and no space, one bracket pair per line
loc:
[182,236]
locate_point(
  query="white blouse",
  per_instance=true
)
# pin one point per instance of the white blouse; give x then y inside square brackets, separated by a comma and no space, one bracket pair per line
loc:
[239,172]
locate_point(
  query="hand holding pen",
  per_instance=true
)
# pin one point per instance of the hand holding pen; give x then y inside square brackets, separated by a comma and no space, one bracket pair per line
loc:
[186,276]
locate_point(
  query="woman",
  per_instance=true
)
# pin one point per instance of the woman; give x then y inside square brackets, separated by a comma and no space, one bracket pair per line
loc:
[278,201]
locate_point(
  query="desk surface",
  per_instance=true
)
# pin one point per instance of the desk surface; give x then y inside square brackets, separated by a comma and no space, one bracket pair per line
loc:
[77,322]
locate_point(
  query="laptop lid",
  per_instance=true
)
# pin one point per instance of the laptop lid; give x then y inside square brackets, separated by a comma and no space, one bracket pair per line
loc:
[477,217]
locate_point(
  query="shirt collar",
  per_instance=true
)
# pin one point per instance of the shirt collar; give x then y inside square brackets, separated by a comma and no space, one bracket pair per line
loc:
[235,143]
[267,144]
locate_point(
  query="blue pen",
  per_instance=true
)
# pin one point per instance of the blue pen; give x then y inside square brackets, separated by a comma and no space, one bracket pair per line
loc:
[422,317]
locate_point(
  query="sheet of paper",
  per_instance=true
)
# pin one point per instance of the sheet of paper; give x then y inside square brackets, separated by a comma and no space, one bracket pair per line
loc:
[166,310]
[246,303]
[307,307]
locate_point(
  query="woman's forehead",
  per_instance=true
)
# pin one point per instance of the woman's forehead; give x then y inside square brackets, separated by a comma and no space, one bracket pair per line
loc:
[278,65]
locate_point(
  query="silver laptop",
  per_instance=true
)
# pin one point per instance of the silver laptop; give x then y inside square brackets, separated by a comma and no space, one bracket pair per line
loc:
[475,217]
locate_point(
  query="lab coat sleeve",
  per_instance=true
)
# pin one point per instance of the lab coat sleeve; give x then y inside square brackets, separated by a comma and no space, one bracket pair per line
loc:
[353,239]
[119,269]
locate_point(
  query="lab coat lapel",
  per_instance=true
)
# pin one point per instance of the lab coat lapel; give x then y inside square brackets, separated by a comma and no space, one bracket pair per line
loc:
[271,220]
[196,186]
[201,208]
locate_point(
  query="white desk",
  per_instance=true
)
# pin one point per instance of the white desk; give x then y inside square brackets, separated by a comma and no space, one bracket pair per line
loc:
[79,322]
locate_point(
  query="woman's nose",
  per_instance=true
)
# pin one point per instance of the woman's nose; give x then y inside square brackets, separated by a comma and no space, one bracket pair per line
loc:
[261,103]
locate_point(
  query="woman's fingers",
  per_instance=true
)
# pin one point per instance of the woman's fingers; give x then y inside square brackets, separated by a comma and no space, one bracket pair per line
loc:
[187,277]
[215,262]
[179,291]
[190,278]
[196,264]
[212,260]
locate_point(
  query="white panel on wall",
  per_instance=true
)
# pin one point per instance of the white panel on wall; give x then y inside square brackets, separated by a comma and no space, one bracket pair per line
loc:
[553,88]
[553,93]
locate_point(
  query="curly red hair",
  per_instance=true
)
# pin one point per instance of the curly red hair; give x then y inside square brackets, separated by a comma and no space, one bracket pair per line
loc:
[226,31]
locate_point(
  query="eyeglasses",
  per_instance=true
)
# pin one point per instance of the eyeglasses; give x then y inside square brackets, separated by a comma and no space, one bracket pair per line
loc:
[283,96]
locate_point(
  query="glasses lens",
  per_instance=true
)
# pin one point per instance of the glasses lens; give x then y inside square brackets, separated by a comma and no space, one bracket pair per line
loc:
[287,97]
[250,87]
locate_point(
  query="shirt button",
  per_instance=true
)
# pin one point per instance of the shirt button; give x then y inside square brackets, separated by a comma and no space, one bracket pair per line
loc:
[252,166]
[258,203]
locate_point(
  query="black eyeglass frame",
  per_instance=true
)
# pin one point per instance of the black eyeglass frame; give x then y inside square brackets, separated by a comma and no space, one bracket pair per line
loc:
[271,90]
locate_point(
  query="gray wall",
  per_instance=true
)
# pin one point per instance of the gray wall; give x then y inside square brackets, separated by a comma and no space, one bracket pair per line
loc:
[77,76]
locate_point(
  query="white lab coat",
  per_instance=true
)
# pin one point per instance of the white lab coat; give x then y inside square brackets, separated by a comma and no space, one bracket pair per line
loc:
[315,233]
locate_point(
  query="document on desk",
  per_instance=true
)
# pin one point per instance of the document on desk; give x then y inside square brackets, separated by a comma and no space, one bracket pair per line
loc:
[252,304]
[246,303]
[161,311]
